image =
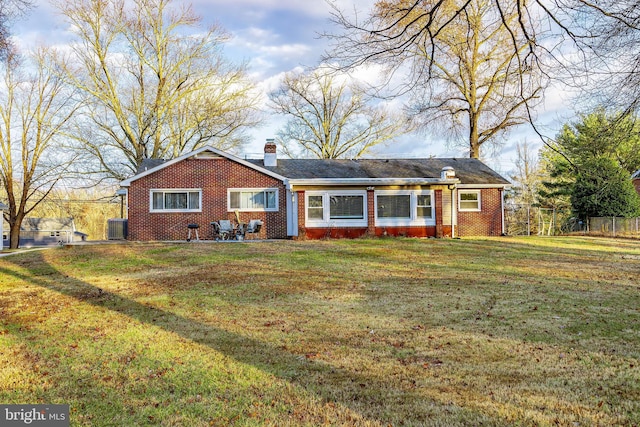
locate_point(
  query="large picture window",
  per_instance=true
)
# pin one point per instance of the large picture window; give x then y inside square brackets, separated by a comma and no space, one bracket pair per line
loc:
[394,206]
[253,199]
[346,207]
[469,200]
[176,200]
[336,208]
[404,208]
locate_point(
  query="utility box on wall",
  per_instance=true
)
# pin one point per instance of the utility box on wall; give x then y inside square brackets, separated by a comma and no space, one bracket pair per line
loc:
[116,229]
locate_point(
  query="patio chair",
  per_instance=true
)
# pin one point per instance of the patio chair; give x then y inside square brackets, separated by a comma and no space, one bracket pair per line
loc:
[254,226]
[221,230]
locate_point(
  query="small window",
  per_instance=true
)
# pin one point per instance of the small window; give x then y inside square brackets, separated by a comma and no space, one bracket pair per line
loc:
[175,200]
[469,200]
[253,199]
[314,208]
[423,206]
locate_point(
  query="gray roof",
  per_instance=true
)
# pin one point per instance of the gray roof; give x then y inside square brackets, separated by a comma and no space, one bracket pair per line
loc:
[48,224]
[149,164]
[636,174]
[468,171]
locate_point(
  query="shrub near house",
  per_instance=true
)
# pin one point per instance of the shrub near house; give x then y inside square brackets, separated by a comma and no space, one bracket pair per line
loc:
[316,198]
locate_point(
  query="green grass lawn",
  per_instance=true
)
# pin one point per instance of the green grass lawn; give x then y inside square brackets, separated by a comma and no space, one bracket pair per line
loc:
[508,331]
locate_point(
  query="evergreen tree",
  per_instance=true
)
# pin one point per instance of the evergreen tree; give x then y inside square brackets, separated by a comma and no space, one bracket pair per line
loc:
[603,188]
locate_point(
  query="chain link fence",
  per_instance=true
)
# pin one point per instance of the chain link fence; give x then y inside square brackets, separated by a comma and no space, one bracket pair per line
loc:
[614,227]
[530,220]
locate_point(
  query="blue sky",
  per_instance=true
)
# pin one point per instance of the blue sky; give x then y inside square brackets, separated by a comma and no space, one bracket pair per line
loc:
[276,36]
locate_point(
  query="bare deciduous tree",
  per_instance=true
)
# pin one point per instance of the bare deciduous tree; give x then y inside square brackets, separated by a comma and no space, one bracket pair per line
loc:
[9,11]
[527,175]
[592,46]
[35,109]
[465,66]
[331,117]
[154,86]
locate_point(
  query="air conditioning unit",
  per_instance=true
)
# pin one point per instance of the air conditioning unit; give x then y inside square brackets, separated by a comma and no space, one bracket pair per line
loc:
[117,229]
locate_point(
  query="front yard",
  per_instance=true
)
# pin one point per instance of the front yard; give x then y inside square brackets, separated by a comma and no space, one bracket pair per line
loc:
[505,331]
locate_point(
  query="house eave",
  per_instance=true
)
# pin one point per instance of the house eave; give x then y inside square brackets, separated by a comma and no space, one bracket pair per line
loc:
[503,186]
[341,182]
[194,154]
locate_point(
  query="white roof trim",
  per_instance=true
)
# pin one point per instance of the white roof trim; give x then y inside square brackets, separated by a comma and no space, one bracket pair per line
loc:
[127,182]
[474,186]
[372,181]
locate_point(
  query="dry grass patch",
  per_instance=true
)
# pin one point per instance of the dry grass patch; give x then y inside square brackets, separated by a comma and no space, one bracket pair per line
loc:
[539,331]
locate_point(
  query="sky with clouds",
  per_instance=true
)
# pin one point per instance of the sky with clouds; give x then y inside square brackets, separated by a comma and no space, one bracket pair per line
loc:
[276,36]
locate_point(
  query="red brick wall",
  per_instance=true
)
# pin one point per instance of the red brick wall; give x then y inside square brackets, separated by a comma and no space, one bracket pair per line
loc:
[214,177]
[636,183]
[371,213]
[487,222]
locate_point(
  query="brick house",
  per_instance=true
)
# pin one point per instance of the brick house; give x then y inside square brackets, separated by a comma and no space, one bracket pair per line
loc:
[313,198]
[635,178]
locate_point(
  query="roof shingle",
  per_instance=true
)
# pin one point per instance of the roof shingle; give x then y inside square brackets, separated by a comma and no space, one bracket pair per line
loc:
[468,171]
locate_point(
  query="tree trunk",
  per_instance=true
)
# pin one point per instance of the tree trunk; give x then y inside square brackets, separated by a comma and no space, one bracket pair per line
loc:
[14,234]
[474,140]
[474,151]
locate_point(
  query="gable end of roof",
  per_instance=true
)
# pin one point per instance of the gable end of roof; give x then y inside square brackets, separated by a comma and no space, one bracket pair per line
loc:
[203,152]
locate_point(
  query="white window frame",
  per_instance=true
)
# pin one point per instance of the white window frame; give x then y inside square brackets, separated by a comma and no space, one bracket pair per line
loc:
[414,219]
[461,192]
[175,190]
[253,190]
[326,218]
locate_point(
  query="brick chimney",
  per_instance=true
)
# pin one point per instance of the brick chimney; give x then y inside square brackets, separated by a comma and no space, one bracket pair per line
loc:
[270,158]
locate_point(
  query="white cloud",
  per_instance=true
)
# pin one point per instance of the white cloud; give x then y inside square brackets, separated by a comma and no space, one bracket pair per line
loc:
[318,8]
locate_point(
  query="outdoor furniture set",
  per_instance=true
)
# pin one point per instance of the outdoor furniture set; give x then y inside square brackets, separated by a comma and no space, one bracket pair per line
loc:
[225,230]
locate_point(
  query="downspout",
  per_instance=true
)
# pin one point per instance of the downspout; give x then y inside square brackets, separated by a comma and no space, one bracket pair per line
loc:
[453,204]
[502,212]
[449,173]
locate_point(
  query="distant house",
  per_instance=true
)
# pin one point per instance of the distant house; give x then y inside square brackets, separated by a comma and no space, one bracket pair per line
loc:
[635,178]
[314,198]
[46,231]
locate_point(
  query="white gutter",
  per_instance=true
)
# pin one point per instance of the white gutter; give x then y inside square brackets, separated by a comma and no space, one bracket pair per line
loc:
[369,181]
[474,186]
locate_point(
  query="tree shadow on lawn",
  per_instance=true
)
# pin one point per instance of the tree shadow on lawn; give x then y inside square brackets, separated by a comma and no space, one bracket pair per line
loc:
[374,399]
